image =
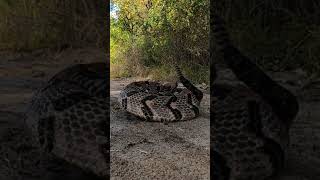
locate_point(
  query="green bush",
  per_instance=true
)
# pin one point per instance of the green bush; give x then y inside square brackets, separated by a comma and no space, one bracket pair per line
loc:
[152,34]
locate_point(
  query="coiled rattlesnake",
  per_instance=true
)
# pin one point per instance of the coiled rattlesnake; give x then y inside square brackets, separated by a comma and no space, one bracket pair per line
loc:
[250,124]
[68,117]
[156,102]
[249,131]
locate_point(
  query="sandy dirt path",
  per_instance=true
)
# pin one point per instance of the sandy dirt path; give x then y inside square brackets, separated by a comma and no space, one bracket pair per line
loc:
[151,150]
[143,150]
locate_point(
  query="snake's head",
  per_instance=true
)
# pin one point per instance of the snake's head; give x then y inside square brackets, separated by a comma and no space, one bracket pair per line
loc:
[170,86]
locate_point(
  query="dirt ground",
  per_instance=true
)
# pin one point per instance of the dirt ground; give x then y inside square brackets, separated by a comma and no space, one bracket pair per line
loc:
[20,76]
[150,150]
[142,150]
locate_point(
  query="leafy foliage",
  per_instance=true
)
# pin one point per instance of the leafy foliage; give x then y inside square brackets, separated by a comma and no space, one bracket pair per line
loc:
[154,33]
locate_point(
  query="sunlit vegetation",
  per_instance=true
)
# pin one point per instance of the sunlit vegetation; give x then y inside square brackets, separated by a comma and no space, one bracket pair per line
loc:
[148,35]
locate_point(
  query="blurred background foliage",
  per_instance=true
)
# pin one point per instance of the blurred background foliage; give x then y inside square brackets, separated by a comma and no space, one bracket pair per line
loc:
[280,35]
[148,35]
[34,24]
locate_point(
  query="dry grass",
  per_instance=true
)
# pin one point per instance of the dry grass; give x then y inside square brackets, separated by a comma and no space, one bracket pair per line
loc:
[31,24]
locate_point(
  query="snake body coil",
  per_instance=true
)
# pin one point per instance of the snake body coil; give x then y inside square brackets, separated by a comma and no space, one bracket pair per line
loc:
[250,127]
[153,101]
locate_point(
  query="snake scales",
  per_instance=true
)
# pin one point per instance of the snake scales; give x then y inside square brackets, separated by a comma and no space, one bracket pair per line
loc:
[249,127]
[250,123]
[68,114]
[156,102]
[68,117]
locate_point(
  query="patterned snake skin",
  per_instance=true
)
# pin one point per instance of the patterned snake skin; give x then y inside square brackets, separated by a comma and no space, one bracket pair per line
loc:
[249,131]
[153,101]
[250,127]
[89,79]
[68,117]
